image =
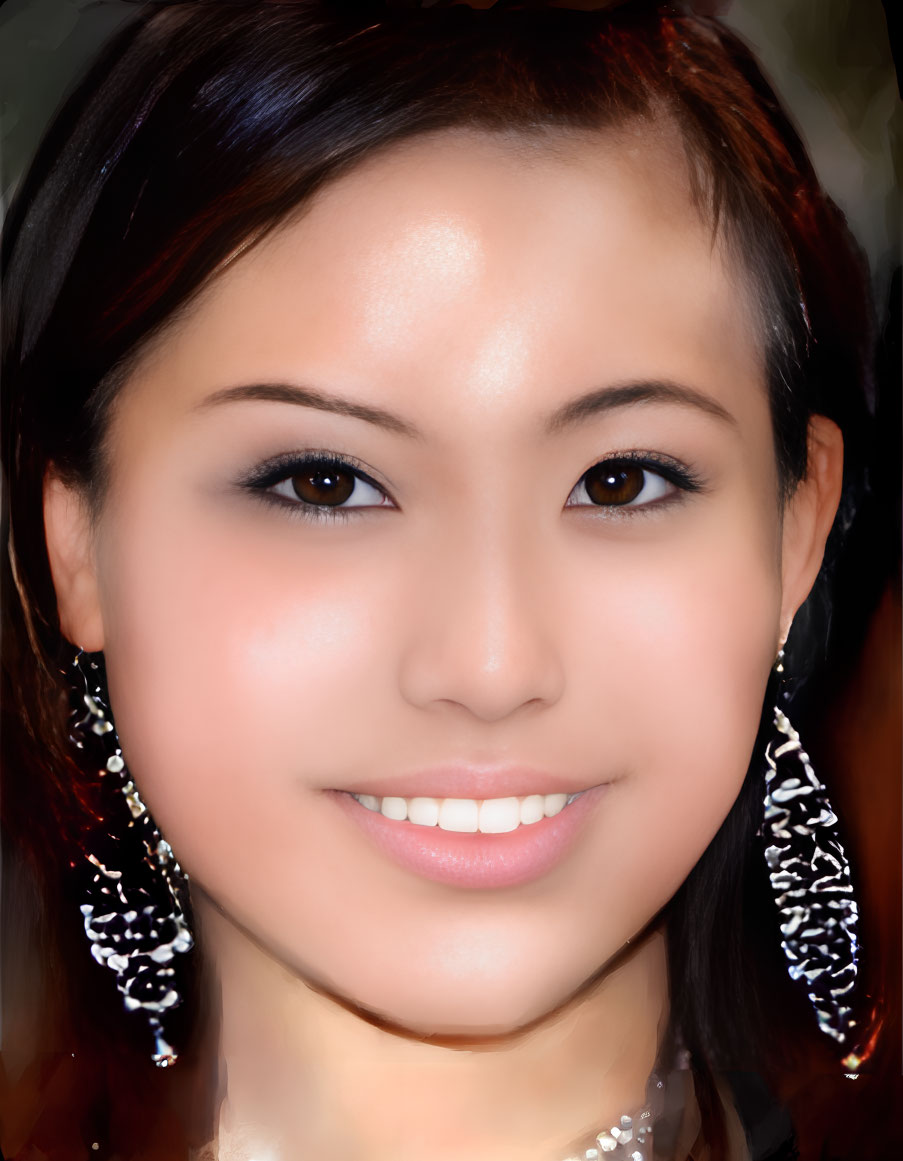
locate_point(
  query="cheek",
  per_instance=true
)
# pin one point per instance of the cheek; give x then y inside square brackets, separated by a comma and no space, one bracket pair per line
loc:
[235,663]
[691,637]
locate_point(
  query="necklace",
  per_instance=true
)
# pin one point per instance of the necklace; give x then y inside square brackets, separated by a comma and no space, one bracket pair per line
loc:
[631,1138]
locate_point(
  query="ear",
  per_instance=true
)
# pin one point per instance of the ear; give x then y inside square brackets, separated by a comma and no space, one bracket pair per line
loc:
[809,516]
[70,549]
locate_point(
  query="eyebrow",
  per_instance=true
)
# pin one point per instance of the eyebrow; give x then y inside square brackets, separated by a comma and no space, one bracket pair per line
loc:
[568,415]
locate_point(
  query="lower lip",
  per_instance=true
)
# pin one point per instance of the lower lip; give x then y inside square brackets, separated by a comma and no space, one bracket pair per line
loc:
[475,860]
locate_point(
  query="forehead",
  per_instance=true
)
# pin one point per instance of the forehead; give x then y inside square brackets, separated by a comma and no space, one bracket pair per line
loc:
[485,268]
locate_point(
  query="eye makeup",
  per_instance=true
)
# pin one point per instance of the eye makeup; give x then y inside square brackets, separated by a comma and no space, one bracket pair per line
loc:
[317,485]
[294,480]
[632,483]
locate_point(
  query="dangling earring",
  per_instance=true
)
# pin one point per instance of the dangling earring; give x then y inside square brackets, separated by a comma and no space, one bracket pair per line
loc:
[810,877]
[135,913]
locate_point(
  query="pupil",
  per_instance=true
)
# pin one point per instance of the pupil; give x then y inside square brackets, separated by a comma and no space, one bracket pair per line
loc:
[326,486]
[618,484]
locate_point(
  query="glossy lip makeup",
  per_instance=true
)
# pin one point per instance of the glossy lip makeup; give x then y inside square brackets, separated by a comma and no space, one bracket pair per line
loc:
[526,826]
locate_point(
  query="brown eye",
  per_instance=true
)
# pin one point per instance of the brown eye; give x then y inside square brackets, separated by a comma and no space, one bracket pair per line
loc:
[321,487]
[629,483]
[324,485]
[615,483]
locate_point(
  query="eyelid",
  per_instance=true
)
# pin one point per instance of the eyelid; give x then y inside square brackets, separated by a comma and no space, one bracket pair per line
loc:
[655,461]
[280,468]
[678,474]
[265,476]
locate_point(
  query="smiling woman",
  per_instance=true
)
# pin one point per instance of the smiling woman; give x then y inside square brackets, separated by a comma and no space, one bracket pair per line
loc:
[422,431]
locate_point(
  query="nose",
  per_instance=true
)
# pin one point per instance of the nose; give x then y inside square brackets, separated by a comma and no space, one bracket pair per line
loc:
[483,630]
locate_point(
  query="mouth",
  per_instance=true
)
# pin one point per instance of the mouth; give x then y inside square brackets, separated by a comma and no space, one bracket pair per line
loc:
[473,842]
[469,815]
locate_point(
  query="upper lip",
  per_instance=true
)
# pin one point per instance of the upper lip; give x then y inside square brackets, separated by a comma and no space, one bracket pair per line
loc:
[479,782]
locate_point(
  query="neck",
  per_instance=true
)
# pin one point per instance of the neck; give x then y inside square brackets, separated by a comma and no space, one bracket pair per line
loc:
[306,1075]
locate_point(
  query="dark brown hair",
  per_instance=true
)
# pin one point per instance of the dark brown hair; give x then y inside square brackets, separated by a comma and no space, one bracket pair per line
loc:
[200,128]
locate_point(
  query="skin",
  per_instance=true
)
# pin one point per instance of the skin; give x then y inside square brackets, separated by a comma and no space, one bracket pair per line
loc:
[490,613]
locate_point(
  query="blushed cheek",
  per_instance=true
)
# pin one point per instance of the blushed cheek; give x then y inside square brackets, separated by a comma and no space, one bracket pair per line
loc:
[231,675]
[685,653]
[714,717]
[716,656]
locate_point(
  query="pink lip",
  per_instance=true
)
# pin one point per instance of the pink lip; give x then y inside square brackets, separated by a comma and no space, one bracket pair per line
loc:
[468,782]
[474,860]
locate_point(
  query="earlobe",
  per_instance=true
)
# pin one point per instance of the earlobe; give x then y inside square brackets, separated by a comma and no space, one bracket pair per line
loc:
[67,527]
[809,516]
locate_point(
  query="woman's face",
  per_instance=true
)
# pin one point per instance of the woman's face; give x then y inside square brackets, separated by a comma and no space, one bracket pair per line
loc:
[487,615]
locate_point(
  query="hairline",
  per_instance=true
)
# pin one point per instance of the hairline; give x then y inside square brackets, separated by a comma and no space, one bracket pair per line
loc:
[526,141]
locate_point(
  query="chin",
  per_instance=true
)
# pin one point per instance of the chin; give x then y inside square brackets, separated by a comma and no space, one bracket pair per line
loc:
[451,1010]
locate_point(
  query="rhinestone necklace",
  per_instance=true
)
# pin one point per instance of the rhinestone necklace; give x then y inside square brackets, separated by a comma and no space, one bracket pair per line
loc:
[631,1138]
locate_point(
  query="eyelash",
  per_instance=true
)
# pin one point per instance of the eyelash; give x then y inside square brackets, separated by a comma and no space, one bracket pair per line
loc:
[280,470]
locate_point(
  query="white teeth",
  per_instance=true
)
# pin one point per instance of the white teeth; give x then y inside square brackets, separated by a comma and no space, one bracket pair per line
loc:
[467,815]
[555,803]
[532,809]
[395,808]
[460,814]
[499,815]
[423,811]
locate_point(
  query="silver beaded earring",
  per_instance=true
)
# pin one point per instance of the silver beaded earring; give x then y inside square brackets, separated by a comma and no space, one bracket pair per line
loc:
[136,893]
[810,878]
